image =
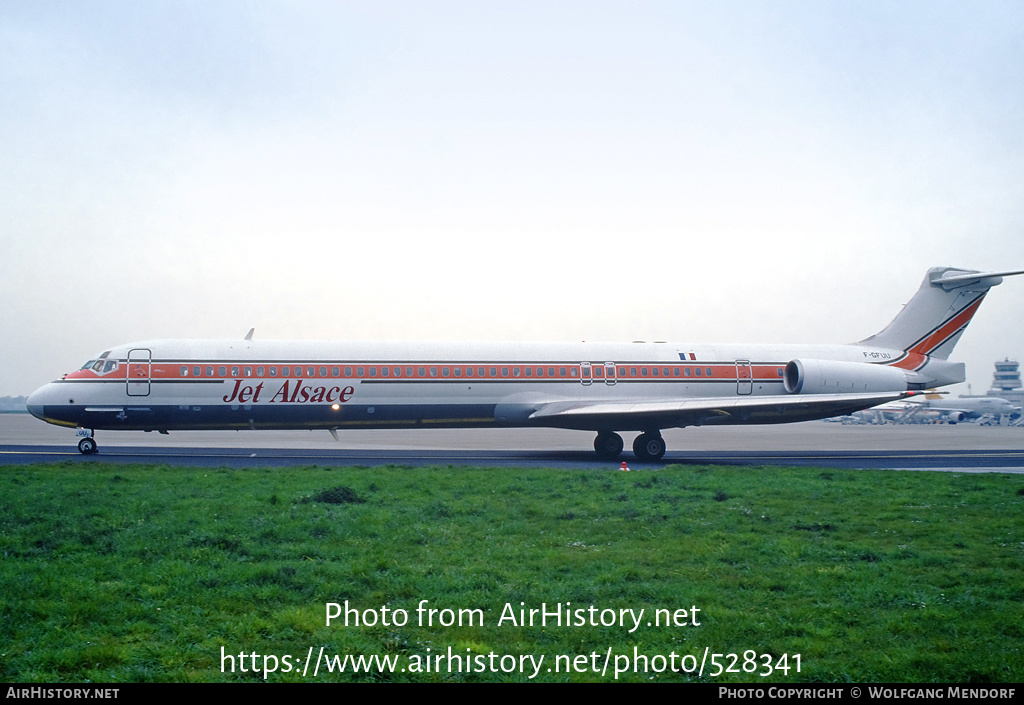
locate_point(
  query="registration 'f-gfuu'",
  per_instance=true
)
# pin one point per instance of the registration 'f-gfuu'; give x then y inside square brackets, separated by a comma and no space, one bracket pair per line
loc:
[167,385]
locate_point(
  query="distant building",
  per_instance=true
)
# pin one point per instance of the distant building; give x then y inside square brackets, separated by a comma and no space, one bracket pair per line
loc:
[8,404]
[1006,382]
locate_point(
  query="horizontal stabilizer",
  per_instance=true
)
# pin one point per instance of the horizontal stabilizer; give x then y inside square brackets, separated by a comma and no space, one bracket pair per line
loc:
[949,280]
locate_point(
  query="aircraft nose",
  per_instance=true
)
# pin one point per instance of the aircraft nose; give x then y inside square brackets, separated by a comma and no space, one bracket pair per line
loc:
[35,403]
[45,403]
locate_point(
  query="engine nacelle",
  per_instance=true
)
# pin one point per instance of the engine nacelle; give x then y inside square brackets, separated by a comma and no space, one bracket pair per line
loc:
[956,416]
[834,377]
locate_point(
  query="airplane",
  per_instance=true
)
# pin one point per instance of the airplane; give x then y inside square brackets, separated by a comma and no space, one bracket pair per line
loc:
[967,408]
[934,408]
[606,388]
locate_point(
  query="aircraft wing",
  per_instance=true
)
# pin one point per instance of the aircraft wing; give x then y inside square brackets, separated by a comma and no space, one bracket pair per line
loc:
[712,410]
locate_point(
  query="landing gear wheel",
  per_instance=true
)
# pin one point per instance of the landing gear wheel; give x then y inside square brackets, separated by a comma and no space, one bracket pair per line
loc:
[87,446]
[608,445]
[649,447]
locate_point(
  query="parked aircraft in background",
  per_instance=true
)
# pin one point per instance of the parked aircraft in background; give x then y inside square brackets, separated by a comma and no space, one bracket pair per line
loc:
[167,385]
[934,408]
[967,408]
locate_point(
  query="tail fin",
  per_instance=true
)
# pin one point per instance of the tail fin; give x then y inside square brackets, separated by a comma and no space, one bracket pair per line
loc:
[934,319]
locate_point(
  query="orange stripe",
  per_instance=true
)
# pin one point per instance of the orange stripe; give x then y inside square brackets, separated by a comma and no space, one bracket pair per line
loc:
[946,330]
[172,371]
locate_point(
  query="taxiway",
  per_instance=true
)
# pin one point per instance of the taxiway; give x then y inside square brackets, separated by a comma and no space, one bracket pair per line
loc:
[963,447]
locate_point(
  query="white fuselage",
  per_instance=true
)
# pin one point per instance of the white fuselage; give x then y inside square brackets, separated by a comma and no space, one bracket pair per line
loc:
[183,384]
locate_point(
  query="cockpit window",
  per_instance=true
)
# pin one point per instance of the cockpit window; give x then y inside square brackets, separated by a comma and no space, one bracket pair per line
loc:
[101,366]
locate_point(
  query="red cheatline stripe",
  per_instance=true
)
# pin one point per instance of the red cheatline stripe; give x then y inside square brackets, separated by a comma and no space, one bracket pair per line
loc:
[944,332]
[398,372]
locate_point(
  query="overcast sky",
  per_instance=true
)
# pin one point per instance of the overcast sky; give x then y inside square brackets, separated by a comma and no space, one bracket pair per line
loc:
[705,171]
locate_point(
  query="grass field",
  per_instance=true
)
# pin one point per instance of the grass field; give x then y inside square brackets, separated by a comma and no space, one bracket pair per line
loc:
[139,573]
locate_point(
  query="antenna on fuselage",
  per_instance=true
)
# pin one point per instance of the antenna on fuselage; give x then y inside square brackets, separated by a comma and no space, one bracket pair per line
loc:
[248,336]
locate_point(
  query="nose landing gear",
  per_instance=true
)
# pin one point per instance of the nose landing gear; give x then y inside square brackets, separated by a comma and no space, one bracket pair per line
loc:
[87,446]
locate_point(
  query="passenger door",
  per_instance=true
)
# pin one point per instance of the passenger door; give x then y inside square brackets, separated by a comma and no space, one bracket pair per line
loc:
[140,366]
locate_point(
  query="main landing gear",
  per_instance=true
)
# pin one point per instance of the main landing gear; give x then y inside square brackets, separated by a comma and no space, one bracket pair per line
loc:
[608,445]
[648,446]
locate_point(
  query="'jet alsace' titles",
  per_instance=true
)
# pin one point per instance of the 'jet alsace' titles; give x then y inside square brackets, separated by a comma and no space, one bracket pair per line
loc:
[297,393]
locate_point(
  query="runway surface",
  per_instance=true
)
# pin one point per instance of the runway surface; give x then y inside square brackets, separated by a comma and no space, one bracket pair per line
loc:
[961,448]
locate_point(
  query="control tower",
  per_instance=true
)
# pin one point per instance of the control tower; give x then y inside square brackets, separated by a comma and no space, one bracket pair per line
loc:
[1006,382]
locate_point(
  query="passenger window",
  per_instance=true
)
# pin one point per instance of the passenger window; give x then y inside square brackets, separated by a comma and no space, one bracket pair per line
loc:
[260,371]
[708,372]
[234,371]
[323,371]
[184,371]
[209,372]
[273,372]
[197,371]
[222,371]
